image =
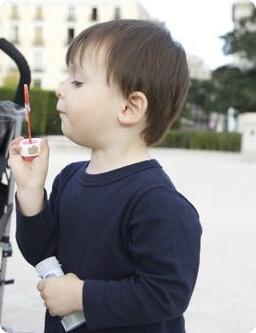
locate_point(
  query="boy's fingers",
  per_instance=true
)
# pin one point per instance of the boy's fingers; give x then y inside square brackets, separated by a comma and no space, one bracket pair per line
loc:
[40,285]
[15,149]
[17,140]
[43,143]
[44,148]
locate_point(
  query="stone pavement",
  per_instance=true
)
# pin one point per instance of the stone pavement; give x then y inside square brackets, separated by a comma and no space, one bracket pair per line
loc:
[223,189]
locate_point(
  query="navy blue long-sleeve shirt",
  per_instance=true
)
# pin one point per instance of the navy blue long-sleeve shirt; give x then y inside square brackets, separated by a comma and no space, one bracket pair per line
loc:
[130,235]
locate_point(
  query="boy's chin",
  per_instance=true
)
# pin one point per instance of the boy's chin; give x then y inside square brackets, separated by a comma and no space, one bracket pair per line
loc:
[75,140]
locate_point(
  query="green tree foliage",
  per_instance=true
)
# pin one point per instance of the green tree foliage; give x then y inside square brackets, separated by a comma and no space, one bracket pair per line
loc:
[231,86]
[11,79]
[234,88]
[242,39]
[202,95]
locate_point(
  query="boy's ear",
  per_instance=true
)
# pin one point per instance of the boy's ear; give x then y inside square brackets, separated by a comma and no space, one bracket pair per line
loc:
[134,109]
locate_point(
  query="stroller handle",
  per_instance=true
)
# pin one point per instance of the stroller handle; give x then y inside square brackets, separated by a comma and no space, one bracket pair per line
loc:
[25,73]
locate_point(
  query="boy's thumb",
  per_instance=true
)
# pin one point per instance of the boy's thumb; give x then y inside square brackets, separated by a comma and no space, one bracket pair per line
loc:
[44,144]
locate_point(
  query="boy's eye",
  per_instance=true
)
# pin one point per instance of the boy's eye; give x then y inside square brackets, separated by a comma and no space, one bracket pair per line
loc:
[76,83]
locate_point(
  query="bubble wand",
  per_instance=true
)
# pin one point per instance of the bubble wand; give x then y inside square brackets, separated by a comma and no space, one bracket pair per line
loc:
[27,107]
[30,148]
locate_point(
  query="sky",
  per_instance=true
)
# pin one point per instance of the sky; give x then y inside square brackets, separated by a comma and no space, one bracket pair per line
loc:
[197,25]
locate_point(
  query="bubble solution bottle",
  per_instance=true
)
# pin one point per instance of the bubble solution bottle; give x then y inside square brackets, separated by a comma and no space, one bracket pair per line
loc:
[51,267]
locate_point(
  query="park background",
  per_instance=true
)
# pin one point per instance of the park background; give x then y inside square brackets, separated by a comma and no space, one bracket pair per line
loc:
[209,153]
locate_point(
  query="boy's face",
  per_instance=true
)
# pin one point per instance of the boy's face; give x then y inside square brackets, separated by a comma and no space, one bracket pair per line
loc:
[87,105]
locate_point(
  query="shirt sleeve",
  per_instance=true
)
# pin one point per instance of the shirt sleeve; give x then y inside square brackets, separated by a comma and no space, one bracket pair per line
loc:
[36,235]
[164,242]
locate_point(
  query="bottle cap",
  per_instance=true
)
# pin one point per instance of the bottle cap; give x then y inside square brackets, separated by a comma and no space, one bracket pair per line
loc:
[30,149]
[49,266]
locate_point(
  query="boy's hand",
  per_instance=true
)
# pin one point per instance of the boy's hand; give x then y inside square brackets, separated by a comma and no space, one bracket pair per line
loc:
[29,175]
[62,295]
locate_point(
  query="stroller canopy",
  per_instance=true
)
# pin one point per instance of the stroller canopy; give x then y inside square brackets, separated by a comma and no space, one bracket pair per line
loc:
[9,112]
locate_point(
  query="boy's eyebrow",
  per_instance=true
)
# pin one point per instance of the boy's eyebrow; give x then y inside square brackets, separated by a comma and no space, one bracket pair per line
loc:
[72,67]
[75,69]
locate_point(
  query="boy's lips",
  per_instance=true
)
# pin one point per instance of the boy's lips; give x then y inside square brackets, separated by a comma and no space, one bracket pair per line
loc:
[59,111]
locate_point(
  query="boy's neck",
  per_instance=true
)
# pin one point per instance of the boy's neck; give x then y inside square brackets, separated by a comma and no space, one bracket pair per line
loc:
[104,161]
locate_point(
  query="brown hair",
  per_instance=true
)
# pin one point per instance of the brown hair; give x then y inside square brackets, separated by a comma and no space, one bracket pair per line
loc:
[142,56]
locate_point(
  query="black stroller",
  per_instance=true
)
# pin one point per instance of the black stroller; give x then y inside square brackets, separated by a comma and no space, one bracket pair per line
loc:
[12,114]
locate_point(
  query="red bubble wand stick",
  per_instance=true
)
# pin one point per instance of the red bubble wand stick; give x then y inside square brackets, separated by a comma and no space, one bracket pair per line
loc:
[30,148]
[27,107]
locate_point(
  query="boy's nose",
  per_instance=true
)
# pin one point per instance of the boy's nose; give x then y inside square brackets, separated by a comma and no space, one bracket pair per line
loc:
[59,91]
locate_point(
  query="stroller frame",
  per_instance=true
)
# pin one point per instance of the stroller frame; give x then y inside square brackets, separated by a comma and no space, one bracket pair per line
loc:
[15,111]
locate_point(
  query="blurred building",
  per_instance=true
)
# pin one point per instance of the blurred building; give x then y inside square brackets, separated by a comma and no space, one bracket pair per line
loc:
[198,69]
[43,29]
[242,9]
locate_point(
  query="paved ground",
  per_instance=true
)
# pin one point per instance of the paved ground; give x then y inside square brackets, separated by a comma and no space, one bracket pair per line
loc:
[223,188]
